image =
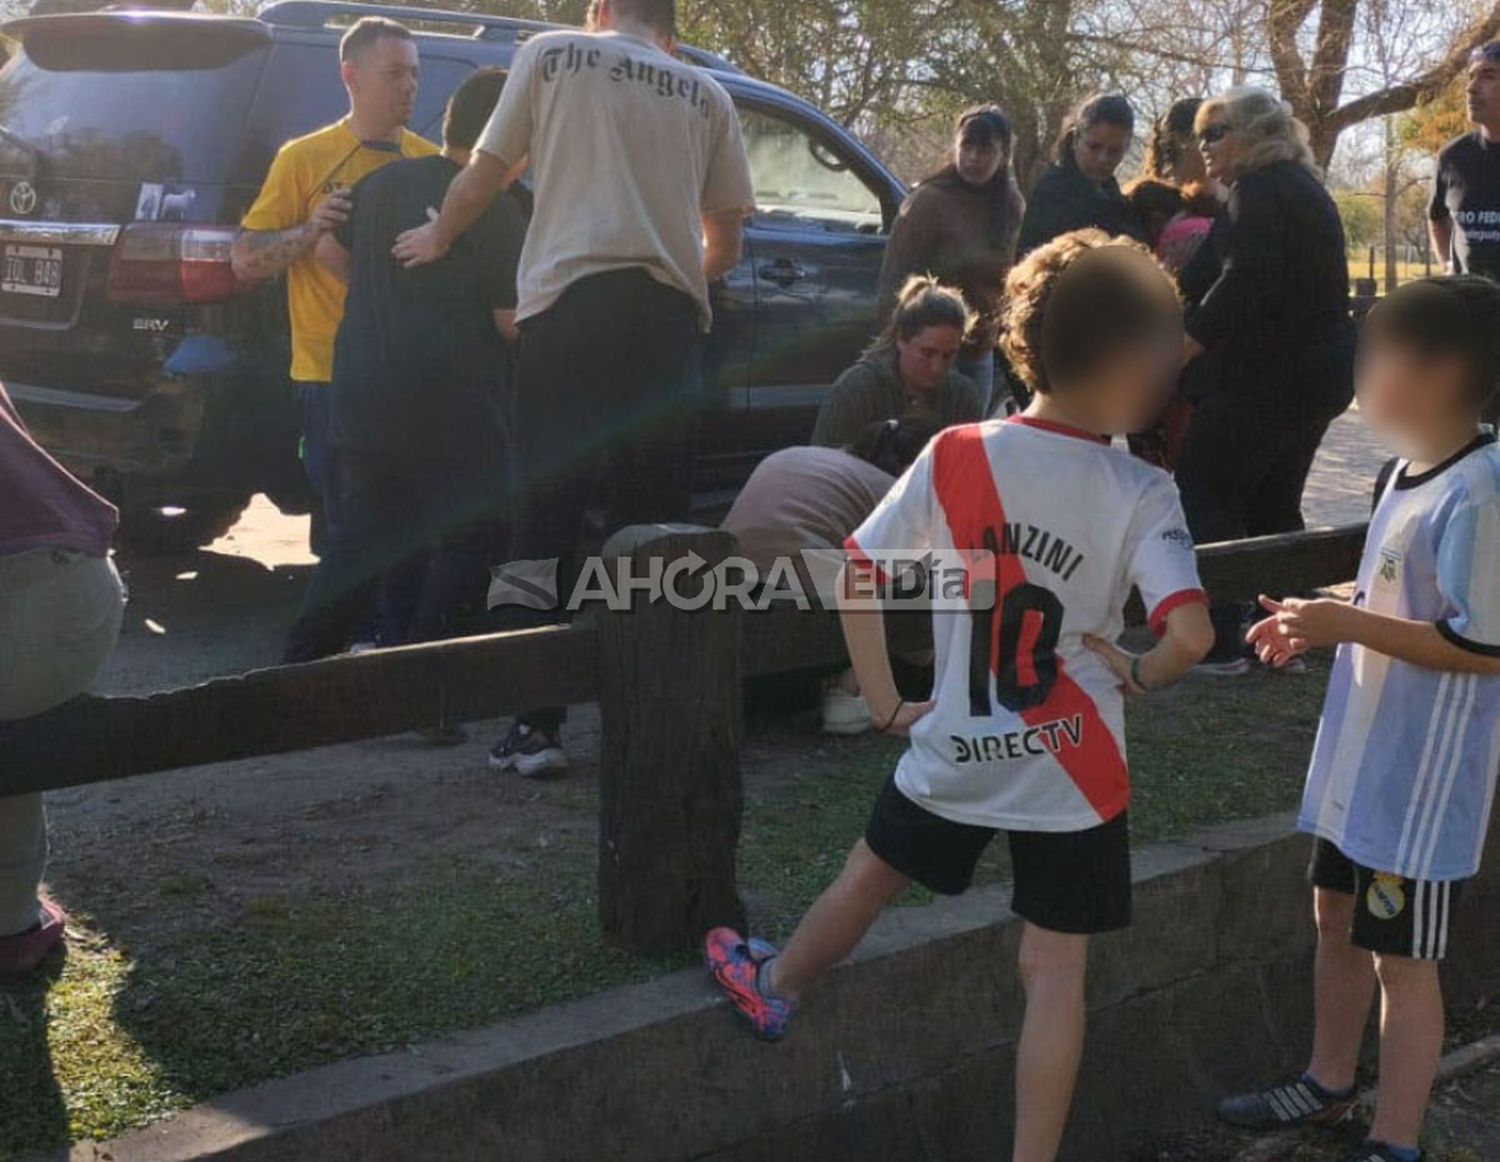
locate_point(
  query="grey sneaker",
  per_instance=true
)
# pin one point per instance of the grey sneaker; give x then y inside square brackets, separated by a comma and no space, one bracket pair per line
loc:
[1295,1102]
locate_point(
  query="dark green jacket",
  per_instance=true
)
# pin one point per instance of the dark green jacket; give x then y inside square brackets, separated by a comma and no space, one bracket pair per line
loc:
[870,392]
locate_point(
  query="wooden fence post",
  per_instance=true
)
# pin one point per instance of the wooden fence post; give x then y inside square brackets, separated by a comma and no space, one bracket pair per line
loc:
[670,790]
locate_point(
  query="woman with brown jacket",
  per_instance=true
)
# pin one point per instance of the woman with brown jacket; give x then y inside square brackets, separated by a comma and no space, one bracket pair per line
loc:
[961,226]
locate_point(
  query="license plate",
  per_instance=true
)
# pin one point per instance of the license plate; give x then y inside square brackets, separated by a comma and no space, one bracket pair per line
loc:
[32,270]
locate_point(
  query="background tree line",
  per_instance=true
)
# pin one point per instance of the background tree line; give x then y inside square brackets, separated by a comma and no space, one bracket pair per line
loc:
[890,68]
[1379,76]
[894,70]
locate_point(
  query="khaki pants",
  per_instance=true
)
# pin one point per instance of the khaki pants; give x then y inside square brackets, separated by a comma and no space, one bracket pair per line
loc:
[60,615]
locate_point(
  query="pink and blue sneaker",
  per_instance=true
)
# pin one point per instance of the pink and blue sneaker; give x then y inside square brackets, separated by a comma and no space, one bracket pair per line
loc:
[736,964]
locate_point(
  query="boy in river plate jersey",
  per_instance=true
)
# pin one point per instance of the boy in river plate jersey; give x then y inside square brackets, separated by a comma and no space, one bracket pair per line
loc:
[1025,730]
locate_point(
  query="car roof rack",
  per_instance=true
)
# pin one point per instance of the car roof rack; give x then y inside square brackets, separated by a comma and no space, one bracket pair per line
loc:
[82,7]
[483,26]
[319,13]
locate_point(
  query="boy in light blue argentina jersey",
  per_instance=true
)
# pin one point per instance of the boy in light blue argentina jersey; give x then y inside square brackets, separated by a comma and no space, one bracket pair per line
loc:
[1404,770]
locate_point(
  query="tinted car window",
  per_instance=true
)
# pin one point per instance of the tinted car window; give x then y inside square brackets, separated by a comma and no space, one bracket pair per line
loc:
[303,91]
[107,107]
[801,181]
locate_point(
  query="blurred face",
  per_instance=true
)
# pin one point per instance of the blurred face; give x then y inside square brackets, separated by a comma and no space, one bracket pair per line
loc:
[382,82]
[927,357]
[1221,147]
[1136,382]
[1099,150]
[978,158]
[1408,397]
[1484,93]
[1189,165]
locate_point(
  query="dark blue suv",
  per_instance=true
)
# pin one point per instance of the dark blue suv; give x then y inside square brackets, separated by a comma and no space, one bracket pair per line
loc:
[131,142]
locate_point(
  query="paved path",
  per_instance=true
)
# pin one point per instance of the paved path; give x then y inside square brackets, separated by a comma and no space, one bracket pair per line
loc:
[1343,478]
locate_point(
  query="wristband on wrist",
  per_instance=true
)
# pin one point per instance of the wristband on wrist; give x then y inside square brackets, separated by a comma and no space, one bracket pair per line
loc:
[891,721]
[1135,675]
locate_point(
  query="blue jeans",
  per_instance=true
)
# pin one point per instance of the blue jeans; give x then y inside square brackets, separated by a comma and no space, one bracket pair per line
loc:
[423,530]
[981,369]
[318,462]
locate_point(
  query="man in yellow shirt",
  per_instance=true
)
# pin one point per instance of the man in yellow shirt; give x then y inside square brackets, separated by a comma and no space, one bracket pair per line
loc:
[306,194]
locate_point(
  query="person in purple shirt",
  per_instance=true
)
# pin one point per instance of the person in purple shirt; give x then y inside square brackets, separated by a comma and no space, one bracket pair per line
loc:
[61,603]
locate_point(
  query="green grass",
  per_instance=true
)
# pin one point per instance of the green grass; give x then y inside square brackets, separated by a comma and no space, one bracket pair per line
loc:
[1209,751]
[109,1041]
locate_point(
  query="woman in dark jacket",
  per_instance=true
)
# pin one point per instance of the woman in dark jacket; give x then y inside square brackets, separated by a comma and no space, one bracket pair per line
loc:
[1079,190]
[960,225]
[1269,332]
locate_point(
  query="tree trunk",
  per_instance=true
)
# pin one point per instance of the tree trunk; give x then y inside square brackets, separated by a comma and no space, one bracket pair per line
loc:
[1392,196]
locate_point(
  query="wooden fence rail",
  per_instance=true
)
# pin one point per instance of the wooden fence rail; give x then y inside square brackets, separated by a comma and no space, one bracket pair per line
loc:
[667,683]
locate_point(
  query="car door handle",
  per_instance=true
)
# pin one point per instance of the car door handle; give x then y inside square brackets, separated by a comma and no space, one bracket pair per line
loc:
[783,272]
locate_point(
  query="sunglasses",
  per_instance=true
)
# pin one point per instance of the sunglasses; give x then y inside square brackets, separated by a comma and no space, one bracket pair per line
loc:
[1489,53]
[1213,134]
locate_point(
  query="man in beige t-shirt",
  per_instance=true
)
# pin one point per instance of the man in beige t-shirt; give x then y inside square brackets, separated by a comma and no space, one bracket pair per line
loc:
[641,185]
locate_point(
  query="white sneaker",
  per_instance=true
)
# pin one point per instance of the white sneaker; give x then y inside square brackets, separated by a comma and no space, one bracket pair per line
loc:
[844,713]
[532,754]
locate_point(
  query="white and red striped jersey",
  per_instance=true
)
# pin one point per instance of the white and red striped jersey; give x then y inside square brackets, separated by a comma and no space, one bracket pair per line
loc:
[1028,732]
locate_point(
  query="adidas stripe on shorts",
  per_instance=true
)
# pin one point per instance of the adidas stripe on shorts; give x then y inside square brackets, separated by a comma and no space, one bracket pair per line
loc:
[1392,915]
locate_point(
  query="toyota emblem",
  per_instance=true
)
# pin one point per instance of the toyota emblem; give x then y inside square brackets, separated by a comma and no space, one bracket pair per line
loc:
[22,198]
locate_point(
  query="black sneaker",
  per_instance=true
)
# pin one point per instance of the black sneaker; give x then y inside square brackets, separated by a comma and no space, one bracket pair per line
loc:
[1297,1102]
[532,754]
[1376,1152]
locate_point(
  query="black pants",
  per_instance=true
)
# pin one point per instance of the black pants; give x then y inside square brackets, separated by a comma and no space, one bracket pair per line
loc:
[428,528]
[1249,449]
[608,386]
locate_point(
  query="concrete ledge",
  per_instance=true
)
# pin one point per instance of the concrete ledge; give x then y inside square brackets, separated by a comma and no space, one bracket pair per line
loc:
[905,1055]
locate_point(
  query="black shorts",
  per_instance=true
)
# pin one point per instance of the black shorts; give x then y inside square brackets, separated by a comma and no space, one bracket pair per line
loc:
[1393,916]
[1071,881]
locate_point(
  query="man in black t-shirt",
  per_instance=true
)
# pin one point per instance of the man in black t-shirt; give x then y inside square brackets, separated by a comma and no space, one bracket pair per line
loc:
[1465,209]
[416,405]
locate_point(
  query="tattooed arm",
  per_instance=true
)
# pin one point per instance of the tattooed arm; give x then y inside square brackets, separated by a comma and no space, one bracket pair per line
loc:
[262,254]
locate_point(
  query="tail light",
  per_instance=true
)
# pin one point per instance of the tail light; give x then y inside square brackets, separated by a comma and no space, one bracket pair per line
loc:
[161,264]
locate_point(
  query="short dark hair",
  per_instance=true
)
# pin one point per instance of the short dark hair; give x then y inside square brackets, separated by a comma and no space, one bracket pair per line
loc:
[366,31]
[1061,323]
[658,14]
[470,107]
[1099,109]
[1450,315]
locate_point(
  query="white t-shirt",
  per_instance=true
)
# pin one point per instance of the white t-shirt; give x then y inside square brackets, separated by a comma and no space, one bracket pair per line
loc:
[1029,735]
[630,148]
